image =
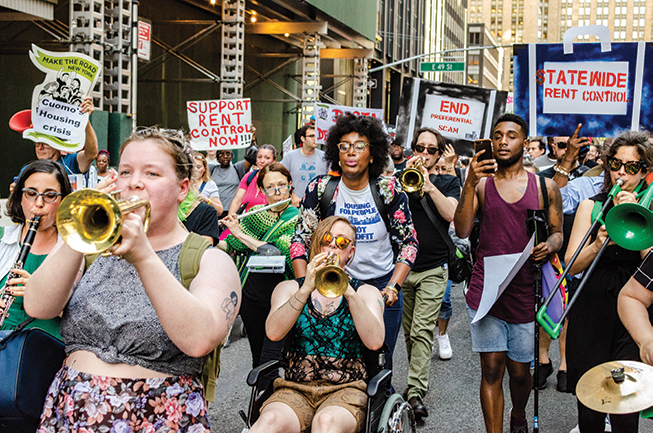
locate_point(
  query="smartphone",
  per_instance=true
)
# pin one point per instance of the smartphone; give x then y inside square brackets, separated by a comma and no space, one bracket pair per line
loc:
[484,144]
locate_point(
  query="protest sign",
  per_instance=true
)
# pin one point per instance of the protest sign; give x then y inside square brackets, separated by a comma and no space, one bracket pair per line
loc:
[56,117]
[600,85]
[220,124]
[326,114]
[461,114]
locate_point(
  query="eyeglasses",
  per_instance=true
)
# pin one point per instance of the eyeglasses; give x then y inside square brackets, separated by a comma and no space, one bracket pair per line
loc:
[359,146]
[270,191]
[631,167]
[561,144]
[341,241]
[48,196]
[431,150]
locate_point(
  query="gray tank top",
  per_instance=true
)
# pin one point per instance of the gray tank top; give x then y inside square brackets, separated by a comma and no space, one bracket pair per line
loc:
[110,315]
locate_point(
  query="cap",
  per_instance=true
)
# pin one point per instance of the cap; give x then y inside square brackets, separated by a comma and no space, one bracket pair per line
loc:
[21,121]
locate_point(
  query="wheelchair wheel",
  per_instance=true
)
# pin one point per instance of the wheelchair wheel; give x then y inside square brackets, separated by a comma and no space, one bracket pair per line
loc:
[397,416]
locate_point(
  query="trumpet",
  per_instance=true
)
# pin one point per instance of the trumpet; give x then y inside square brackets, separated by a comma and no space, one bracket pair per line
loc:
[629,225]
[331,281]
[412,179]
[5,298]
[90,221]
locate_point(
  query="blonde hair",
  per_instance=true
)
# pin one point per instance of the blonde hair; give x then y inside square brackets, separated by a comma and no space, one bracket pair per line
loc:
[323,228]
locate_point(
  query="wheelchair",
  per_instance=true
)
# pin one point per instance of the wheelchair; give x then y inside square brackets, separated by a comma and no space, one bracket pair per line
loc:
[386,412]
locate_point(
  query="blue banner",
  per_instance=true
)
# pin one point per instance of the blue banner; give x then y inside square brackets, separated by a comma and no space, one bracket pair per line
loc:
[609,92]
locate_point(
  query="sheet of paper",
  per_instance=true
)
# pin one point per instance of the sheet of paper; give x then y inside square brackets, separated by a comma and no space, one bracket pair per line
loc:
[499,272]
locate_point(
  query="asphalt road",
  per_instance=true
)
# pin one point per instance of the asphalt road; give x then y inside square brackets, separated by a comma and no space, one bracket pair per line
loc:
[452,401]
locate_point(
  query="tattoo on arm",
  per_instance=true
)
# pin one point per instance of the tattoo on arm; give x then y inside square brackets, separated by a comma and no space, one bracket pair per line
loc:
[555,217]
[229,306]
[380,303]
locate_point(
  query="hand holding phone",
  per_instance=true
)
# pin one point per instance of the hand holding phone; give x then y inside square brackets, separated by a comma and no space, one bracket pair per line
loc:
[488,154]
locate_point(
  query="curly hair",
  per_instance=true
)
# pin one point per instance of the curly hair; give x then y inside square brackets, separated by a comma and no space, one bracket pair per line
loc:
[369,127]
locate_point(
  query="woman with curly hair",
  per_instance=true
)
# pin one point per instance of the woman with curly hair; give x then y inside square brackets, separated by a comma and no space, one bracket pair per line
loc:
[357,149]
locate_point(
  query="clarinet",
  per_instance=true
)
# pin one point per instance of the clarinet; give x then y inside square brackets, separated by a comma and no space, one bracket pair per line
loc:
[6,298]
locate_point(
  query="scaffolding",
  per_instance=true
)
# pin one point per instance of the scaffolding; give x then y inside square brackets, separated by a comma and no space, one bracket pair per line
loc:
[233,47]
[101,29]
[360,83]
[310,75]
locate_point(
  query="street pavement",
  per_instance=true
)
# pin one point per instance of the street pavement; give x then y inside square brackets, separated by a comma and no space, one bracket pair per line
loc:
[452,401]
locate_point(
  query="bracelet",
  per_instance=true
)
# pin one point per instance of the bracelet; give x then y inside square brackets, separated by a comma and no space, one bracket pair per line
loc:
[297,299]
[561,170]
[293,307]
[208,202]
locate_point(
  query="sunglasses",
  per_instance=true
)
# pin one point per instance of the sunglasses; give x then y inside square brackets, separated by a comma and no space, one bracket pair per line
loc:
[431,150]
[359,146]
[561,144]
[48,196]
[341,241]
[631,167]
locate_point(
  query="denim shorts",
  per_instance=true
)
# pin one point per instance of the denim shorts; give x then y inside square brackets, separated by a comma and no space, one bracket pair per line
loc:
[494,335]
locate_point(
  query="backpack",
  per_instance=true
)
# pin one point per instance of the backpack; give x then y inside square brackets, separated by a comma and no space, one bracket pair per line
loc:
[190,257]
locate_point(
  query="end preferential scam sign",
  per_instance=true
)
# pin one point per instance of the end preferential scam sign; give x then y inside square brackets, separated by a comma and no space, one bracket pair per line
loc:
[220,124]
[605,90]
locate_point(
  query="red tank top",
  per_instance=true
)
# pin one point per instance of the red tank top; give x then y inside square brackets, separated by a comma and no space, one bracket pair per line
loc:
[503,231]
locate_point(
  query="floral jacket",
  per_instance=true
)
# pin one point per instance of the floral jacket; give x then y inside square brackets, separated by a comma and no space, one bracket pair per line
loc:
[402,232]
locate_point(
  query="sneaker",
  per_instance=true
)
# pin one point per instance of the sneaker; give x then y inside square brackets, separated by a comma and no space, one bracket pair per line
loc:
[608,426]
[575,429]
[544,371]
[444,347]
[518,425]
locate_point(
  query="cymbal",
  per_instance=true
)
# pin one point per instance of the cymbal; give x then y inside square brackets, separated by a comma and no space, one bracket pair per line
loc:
[600,390]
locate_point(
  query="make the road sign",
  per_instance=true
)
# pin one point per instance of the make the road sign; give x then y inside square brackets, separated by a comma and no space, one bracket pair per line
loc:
[601,85]
[56,117]
[220,124]
[441,66]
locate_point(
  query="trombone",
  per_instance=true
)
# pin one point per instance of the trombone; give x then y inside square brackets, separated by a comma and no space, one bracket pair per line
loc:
[412,179]
[629,225]
[90,221]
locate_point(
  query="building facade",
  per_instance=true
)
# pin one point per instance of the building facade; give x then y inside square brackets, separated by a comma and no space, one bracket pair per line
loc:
[484,67]
[520,21]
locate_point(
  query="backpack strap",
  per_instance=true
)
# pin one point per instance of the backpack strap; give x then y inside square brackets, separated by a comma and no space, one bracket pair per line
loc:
[380,204]
[545,193]
[251,177]
[190,257]
[327,195]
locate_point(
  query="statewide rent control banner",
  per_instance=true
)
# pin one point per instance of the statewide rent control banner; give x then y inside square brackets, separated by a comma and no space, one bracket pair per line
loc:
[56,117]
[461,114]
[220,124]
[326,114]
[605,86]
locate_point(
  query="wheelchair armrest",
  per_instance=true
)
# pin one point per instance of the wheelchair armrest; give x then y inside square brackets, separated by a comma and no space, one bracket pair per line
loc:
[379,382]
[254,376]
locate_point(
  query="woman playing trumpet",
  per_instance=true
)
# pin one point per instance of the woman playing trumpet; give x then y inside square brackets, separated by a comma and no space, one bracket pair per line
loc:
[135,336]
[274,226]
[324,366]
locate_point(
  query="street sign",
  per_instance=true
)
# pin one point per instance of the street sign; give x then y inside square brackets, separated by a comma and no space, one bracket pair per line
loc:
[442,67]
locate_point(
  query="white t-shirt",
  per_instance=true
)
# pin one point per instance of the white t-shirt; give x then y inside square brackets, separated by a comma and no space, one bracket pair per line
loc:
[210,190]
[373,257]
[304,168]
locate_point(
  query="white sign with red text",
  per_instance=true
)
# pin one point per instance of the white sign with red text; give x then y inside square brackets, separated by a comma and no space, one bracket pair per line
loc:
[326,114]
[220,124]
[584,87]
[454,118]
[144,40]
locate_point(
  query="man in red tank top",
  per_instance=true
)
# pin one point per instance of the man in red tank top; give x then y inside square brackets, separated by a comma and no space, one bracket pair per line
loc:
[499,192]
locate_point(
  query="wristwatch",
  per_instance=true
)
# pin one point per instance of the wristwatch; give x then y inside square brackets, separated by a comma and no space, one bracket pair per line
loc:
[395,287]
